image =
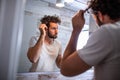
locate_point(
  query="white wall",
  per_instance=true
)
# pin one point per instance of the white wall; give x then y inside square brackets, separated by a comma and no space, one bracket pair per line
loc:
[11,18]
[92,24]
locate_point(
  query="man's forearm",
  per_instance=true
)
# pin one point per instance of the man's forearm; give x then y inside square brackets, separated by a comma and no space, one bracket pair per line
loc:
[71,47]
[34,52]
[58,61]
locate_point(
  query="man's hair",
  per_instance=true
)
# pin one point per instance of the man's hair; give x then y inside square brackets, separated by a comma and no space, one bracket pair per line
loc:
[47,19]
[107,7]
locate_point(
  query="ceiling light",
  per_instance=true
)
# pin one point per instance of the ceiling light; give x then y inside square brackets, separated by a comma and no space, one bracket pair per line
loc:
[60,3]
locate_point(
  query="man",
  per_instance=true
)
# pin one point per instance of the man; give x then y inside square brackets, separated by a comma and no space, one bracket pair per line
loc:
[103,46]
[45,51]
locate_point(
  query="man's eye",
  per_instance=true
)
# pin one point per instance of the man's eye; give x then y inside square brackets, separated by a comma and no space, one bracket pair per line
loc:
[54,28]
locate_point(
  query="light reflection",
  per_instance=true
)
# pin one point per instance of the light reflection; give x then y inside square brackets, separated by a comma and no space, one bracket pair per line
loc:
[83,37]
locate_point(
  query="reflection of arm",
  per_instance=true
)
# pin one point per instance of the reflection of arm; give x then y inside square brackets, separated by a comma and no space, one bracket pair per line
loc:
[34,52]
[59,58]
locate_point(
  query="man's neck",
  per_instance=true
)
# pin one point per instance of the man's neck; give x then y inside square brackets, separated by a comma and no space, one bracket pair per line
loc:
[49,40]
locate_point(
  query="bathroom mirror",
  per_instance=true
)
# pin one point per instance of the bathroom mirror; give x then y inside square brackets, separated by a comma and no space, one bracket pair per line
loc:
[34,10]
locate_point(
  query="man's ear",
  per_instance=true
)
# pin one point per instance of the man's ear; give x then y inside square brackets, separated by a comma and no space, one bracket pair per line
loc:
[101,17]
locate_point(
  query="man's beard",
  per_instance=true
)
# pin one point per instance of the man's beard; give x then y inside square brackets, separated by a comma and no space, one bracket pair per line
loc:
[51,36]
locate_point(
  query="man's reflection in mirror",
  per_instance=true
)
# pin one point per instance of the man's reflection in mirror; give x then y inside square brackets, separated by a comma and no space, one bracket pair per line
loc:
[45,52]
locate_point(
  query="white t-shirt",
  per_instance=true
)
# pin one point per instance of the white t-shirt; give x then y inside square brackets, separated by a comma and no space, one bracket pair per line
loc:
[103,52]
[49,53]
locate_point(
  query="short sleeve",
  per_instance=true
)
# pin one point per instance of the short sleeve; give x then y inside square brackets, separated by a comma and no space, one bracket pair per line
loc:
[98,46]
[33,41]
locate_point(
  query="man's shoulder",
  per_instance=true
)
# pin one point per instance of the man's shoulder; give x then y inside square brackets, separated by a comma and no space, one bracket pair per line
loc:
[35,37]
